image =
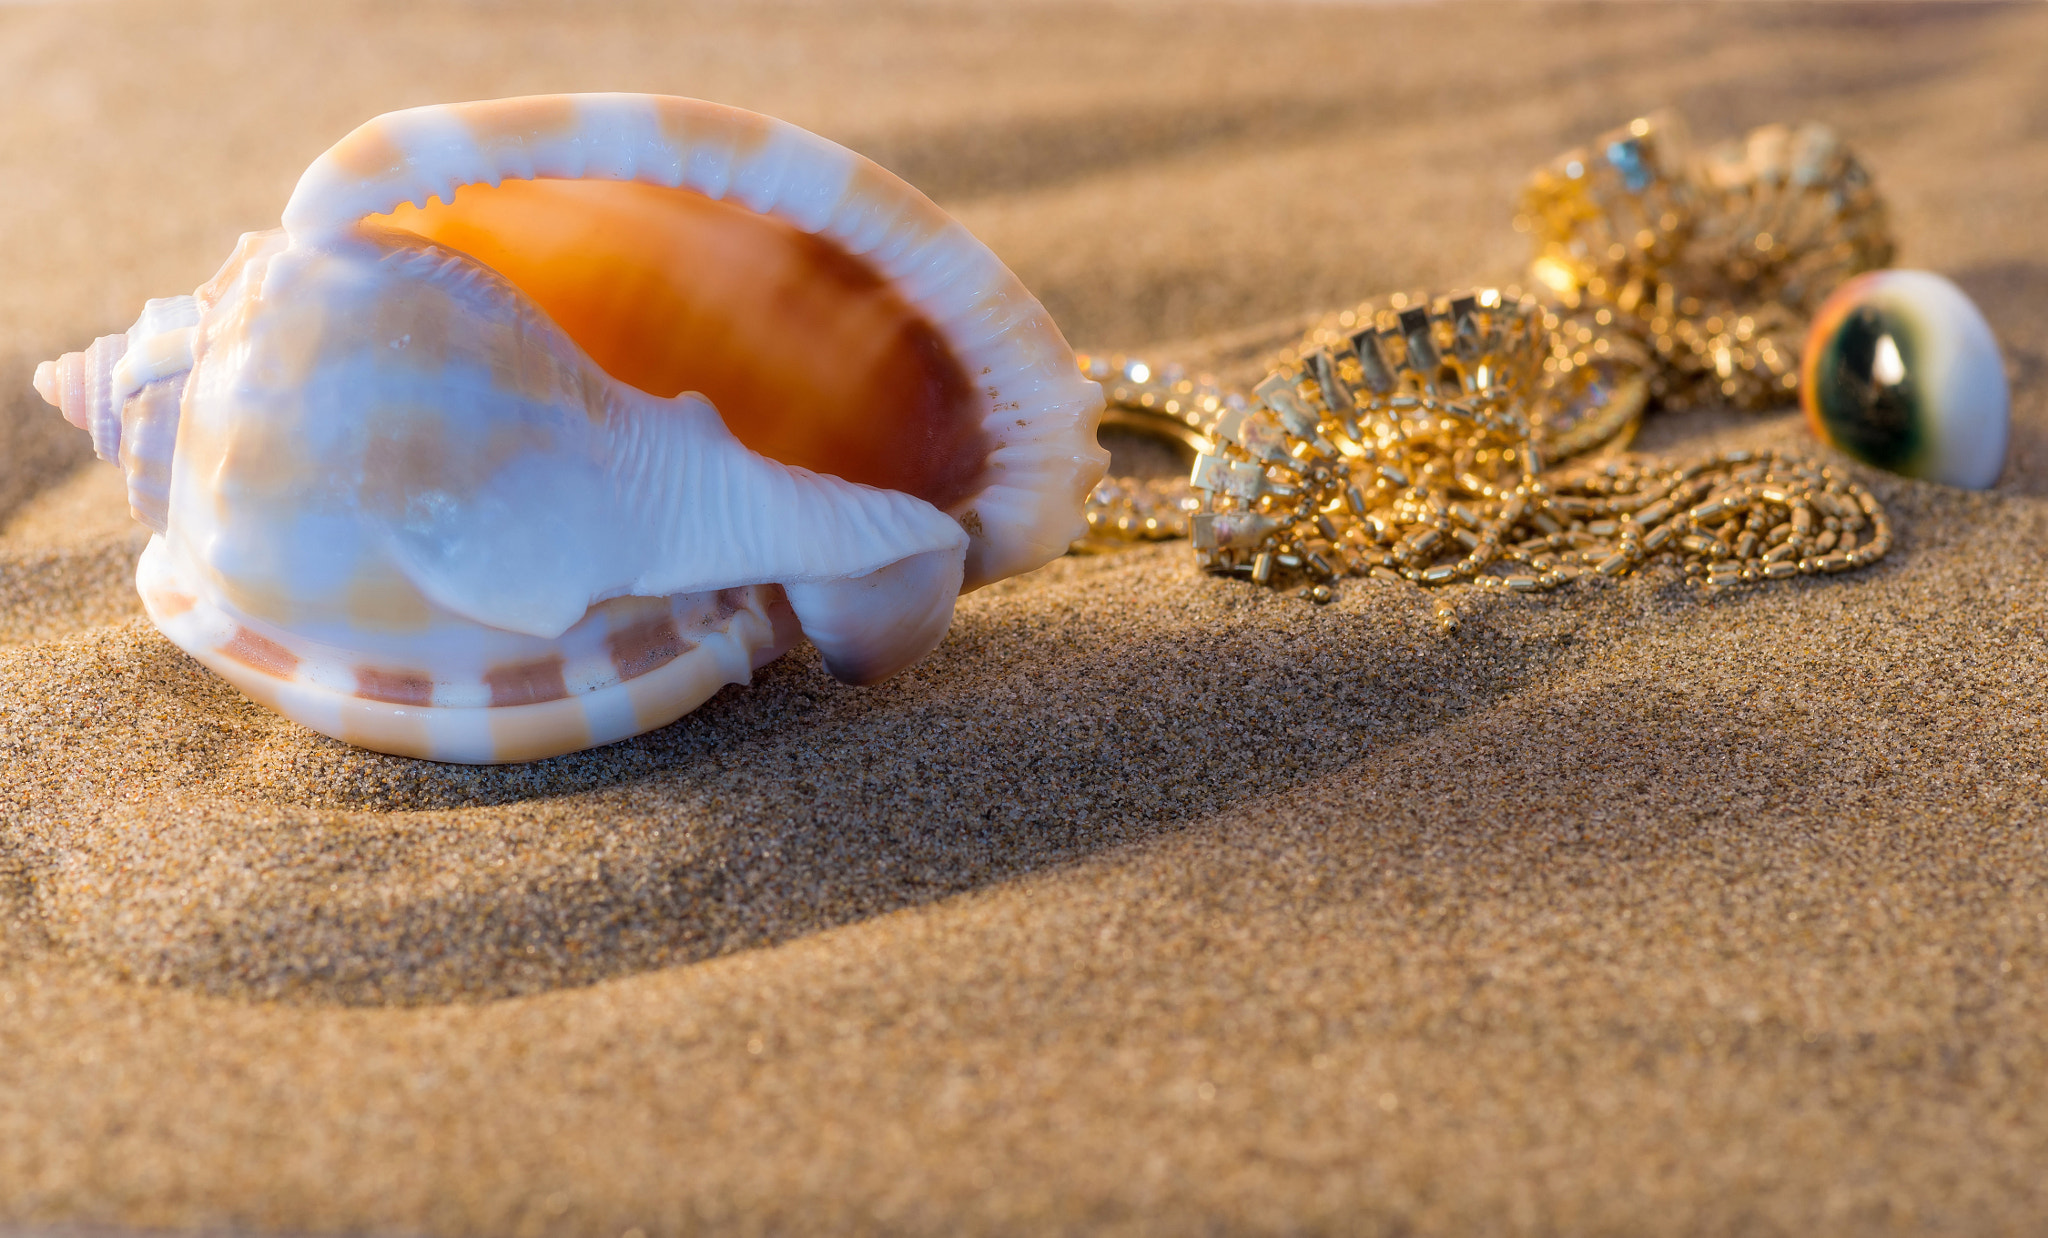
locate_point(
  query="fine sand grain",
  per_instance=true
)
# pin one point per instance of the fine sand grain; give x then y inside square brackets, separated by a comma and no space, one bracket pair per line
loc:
[1150,903]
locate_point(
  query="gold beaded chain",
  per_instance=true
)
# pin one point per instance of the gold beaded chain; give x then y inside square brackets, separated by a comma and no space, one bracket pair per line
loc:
[1412,440]
[1739,517]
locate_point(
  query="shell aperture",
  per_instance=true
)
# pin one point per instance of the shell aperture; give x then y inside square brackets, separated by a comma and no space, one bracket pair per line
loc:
[446,478]
[809,355]
[1901,371]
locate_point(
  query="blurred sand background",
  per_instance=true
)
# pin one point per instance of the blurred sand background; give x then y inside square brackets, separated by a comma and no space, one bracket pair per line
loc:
[1151,903]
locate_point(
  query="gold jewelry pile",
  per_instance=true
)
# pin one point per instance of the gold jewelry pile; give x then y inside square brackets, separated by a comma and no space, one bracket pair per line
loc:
[1415,440]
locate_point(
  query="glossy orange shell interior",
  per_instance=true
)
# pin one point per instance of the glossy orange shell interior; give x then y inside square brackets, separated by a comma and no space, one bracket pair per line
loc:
[809,355]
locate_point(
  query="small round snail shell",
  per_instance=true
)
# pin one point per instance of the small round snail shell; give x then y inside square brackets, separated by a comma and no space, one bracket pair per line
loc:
[542,419]
[1901,371]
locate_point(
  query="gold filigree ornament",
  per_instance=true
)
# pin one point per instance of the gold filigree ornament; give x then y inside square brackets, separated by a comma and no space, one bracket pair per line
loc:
[1715,262]
[1477,437]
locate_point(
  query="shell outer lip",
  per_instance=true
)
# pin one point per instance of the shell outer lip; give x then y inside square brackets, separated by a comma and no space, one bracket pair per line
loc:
[1028,510]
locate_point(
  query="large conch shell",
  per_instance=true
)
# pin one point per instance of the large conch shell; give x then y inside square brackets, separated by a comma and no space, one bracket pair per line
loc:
[542,419]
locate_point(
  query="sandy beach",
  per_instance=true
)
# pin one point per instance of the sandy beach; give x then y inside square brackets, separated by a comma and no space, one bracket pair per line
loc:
[1151,903]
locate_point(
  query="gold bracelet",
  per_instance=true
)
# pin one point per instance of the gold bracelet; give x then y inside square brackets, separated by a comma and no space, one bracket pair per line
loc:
[1579,390]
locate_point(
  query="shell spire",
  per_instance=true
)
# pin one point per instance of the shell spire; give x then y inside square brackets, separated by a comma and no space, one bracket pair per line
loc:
[80,385]
[126,390]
